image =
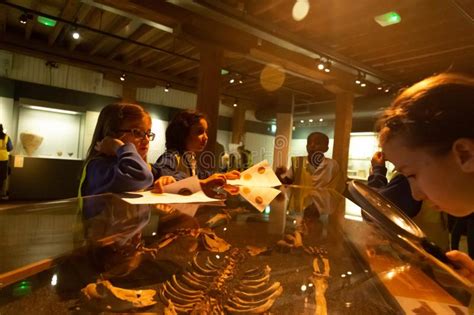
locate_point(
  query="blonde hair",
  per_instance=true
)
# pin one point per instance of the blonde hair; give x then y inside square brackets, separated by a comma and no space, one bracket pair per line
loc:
[110,120]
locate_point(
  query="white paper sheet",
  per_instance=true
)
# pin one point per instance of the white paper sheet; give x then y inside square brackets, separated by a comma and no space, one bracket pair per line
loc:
[259,197]
[147,197]
[191,183]
[259,175]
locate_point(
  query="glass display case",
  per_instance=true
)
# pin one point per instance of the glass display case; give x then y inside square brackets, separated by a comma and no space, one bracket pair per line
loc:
[303,252]
[49,132]
[361,148]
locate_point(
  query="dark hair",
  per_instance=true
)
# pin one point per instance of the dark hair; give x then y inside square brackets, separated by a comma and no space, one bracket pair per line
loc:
[111,119]
[321,135]
[179,128]
[432,113]
[2,133]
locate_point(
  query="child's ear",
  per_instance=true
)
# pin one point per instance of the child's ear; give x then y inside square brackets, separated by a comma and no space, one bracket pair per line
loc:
[463,150]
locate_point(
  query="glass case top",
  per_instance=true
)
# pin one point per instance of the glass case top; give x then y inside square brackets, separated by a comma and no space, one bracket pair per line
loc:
[300,252]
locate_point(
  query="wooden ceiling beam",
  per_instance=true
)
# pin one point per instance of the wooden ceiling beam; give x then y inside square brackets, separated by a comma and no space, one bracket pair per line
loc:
[91,18]
[38,49]
[262,6]
[121,48]
[116,28]
[166,60]
[142,52]
[180,62]
[421,50]
[31,24]
[428,56]
[151,60]
[3,20]
[68,13]
[159,58]
[185,68]
[196,28]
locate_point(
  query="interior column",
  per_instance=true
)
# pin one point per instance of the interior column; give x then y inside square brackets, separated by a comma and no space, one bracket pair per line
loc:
[284,131]
[129,93]
[208,90]
[238,124]
[342,129]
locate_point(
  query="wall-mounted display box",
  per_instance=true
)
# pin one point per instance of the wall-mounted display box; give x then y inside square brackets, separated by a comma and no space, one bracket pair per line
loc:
[50,130]
[362,147]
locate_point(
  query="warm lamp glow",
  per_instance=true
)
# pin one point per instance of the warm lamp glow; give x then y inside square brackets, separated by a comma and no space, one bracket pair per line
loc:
[300,9]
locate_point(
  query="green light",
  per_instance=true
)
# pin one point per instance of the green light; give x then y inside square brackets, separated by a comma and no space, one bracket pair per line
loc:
[224,71]
[388,18]
[46,21]
[22,288]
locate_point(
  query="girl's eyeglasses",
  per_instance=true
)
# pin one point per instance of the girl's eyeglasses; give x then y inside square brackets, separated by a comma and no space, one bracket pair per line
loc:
[137,133]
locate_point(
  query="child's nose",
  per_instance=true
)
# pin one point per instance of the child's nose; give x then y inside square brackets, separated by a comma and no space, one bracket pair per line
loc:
[417,193]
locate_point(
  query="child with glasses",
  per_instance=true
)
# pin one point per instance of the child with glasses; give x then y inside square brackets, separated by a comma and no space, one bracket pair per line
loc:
[428,134]
[116,159]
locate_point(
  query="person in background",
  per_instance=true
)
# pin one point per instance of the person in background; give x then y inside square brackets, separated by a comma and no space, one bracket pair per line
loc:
[434,224]
[428,134]
[5,147]
[186,137]
[245,157]
[116,159]
[315,169]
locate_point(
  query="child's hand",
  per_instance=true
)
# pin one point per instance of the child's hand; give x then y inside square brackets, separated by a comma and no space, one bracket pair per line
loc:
[463,262]
[108,146]
[280,170]
[232,175]
[217,179]
[210,184]
[378,159]
[161,182]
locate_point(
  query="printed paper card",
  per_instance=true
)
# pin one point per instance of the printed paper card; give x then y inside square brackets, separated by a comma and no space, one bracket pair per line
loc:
[187,186]
[147,197]
[259,175]
[259,197]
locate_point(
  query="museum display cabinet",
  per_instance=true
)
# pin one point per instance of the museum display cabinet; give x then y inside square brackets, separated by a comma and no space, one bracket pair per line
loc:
[302,252]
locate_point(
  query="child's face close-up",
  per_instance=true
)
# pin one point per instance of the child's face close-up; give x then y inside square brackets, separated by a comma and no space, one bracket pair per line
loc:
[137,132]
[436,178]
[316,144]
[197,138]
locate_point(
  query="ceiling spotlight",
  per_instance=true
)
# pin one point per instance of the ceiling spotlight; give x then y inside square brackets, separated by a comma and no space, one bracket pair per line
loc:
[359,78]
[241,81]
[320,65]
[310,120]
[122,77]
[379,88]
[387,90]
[231,81]
[302,121]
[75,34]
[321,120]
[328,66]
[235,104]
[300,9]
[363,84]
[24,17]
[167,87]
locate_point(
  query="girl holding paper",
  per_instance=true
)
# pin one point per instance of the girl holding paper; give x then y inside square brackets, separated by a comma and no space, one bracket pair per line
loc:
[186,137]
